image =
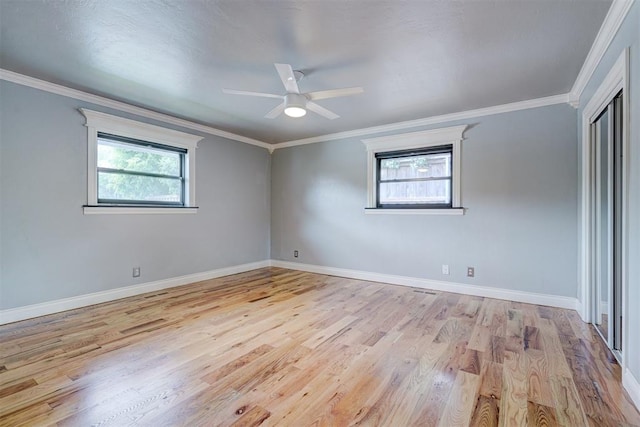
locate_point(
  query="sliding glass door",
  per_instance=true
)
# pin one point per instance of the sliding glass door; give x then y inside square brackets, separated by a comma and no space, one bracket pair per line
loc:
[607,228]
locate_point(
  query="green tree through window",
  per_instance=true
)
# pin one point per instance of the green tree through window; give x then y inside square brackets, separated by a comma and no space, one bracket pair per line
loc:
[132,172]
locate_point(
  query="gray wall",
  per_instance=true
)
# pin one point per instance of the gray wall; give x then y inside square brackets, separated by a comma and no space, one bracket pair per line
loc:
[50,250]
[628,36]
[519,183]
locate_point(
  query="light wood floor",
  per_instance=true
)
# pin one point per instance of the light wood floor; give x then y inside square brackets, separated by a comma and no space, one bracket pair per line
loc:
[281,347]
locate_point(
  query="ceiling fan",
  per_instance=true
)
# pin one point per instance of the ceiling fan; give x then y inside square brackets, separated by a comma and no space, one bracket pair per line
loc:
[294,103]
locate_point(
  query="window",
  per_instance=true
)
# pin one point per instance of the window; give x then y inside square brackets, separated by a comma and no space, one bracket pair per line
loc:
[131,171]
[415,178]
[416,172]
[135,167]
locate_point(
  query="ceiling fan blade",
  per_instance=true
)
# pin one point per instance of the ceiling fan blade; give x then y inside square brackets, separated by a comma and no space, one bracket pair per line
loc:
[275,112]
[321,110]
[247,93]
[288,78]
[334,93]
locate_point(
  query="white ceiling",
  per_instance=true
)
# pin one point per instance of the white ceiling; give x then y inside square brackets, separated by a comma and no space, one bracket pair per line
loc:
[414,59]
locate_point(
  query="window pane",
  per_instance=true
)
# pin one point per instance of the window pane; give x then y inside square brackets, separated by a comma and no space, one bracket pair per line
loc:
[416,192]
[421,166]
[131,157]
[114,186]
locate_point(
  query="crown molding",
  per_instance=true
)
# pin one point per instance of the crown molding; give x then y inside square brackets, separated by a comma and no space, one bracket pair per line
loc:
[463,115]
[614,18]
[57,89]
[610,26]
[406,141]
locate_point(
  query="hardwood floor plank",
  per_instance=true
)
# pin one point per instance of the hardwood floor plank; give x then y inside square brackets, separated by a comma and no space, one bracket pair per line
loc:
[497,349]
[539,388]
[515,324]
[540,415]
[236,364]
[25,416]
[454,330]
[486,412]
[513,403]
[568,406]
[254,417]
[491,379]
[15,388]
[462,399]
[289,348]
[30,396]
[413,391]
[480,338]
[472,361]
[553,349]
[327,333]
[367,400]
[532,338]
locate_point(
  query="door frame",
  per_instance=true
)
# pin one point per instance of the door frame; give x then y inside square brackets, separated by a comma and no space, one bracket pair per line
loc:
[616,80]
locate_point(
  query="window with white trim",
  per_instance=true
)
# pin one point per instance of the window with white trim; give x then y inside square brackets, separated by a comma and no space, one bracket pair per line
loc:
[135,167]
[417,172]
[135,172]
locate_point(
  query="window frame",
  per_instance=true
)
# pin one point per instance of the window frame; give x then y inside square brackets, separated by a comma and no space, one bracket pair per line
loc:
[439,149]
[429,139]
[157,147]
[97,122]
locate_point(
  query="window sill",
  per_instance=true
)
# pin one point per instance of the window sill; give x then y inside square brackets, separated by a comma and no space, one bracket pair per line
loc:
[383,211]
[100,210]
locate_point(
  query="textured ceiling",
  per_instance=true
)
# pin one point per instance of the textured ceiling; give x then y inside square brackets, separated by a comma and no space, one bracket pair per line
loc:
[414,59]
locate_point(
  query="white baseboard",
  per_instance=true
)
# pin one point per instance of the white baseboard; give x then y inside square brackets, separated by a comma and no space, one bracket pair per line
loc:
[585,314]
[631,384]
[460,288]
[42,309]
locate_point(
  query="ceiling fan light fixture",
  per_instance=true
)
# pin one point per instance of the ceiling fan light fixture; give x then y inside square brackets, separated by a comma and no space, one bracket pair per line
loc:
[295,105]
[295,112]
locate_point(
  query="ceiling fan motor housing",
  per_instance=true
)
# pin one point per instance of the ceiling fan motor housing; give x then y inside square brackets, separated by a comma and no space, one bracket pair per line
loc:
[295,105]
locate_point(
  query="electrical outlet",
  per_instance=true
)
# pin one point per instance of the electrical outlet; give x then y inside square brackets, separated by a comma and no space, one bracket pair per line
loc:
[471,272]
[295,254]
[136,271]
[445,269]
